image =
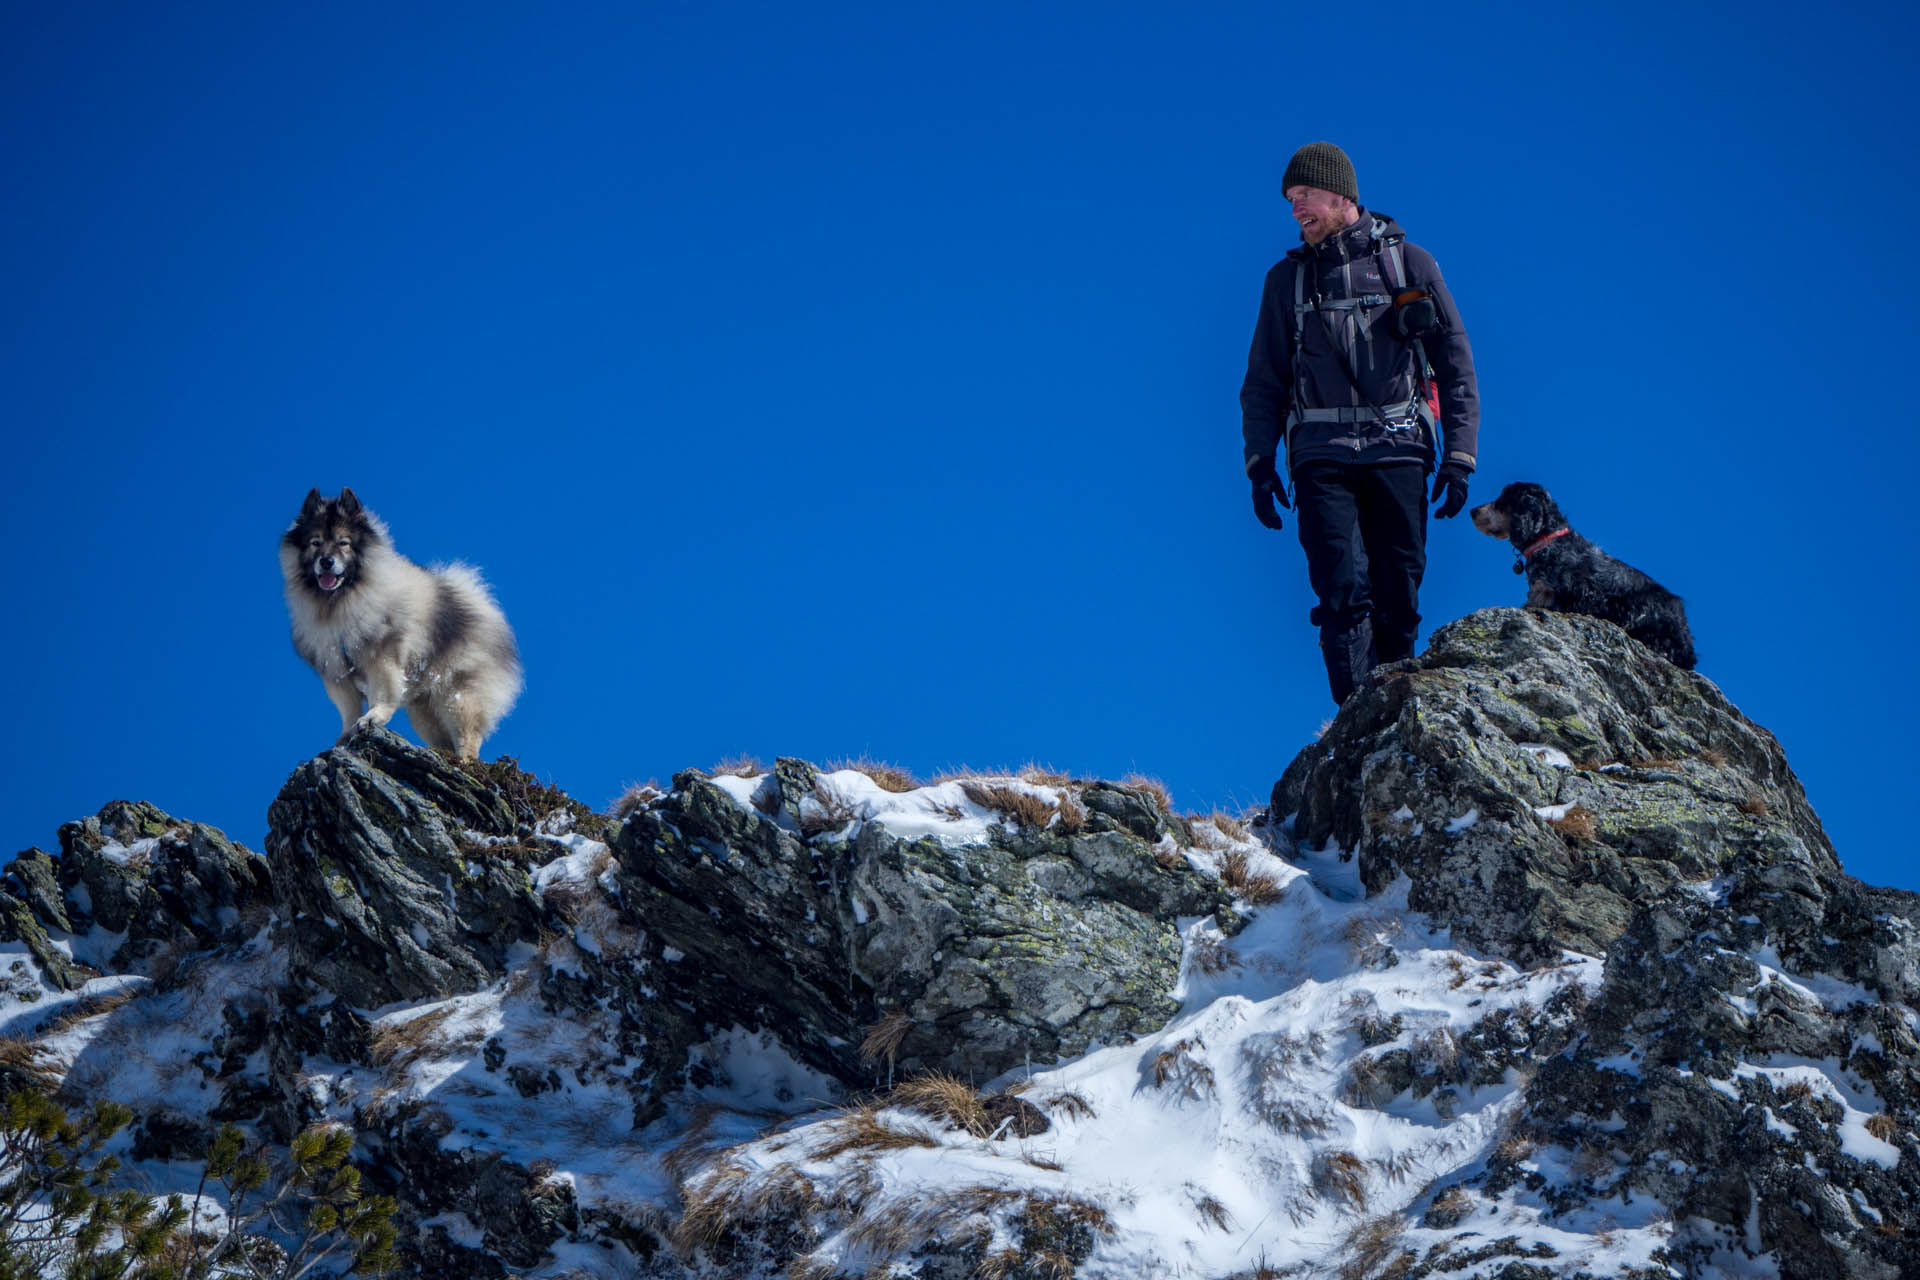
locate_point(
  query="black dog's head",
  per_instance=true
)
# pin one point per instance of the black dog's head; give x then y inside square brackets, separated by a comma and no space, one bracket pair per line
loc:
[326,547]
[1521,514]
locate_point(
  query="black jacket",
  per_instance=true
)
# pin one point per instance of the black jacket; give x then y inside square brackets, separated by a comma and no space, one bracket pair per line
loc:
[1351,358]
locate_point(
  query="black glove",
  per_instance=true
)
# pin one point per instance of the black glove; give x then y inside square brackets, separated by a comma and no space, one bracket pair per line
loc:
[1266,489]
[1452,479]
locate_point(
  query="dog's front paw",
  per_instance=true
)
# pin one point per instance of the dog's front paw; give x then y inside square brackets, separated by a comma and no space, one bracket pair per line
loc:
[374,717]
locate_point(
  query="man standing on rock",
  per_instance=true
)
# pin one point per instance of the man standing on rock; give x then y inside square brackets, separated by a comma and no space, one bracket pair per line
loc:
[1359,362]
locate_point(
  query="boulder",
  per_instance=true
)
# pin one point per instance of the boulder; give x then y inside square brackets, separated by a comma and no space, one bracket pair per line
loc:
[400,874]
[1536,776]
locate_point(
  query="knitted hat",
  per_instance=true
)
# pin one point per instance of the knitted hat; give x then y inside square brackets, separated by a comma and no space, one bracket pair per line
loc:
[1322,165]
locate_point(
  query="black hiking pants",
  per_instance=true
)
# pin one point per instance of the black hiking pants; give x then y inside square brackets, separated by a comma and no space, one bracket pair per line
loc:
[1364,529]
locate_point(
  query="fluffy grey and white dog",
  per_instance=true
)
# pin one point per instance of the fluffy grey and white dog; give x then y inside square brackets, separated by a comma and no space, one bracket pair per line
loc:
[384,633]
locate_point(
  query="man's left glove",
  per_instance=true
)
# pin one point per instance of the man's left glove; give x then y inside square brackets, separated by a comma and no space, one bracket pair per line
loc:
[1452,480]
[1266,489]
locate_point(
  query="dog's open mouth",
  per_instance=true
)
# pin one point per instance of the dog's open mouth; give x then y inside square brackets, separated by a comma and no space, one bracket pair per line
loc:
[327,581]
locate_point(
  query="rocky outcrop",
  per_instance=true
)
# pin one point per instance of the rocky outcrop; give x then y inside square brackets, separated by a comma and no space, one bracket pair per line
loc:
[397,873]
[1543,783]
[1028,947]
[1477,769]
[143,882]
[1747,1054]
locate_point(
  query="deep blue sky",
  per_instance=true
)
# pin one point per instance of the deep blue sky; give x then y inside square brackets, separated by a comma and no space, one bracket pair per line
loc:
[827,380]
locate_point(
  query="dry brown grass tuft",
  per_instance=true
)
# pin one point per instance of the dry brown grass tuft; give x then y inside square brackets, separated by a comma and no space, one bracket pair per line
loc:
[1798,1091]
[1755,805]
[1000,1265]
[1375,1250]
[1071,1104]
[1654,762]
[1363,1076]
[889,1229]
[93,1007]
[888,777]
[694,1147]
[862,1129]
[1046,1214]
[1229,826]
[1153,787]
[709,1206]
[940,1096]
[1212,953]
[1042,775]
[397,1044]
[1212,1211]
[884,1037]
[1367,1020]
[635,798]
[1577,825]
[1882,1126]
[1024,807]
[1185,1067]
[1713,757]
[811,1266]
[724,1198]
[1515,1147]
[1455,1201]
[1258,890]
[1073,814]
[739,767]
[832,814]
[23,1062]
[1343,1174]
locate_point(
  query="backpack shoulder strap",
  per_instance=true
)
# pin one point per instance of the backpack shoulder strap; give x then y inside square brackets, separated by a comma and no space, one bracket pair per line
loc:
[1396,262]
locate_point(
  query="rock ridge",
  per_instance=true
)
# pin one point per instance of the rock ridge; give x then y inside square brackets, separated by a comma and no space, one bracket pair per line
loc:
[440,954]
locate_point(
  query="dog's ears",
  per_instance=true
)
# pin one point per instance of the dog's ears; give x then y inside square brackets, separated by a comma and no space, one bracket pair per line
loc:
[312,504]
[349,505]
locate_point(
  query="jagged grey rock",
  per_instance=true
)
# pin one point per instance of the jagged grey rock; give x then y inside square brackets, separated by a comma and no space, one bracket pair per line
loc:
[1026,949]
[1735,947]
[388,867]
[161,883]
[1438,767]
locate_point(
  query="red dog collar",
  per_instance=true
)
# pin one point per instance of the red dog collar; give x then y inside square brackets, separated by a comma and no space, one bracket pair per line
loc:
[1521,557]
[1542,541]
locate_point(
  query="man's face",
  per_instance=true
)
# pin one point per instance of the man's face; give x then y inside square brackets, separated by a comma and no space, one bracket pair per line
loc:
[1319,213]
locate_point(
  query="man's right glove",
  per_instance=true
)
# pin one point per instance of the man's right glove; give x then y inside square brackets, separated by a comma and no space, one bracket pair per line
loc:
[1266,489]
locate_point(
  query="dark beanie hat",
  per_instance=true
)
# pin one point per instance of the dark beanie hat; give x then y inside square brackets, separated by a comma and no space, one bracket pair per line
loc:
[1322,165]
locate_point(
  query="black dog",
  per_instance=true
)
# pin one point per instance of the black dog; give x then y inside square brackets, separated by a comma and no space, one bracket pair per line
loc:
[1566,572]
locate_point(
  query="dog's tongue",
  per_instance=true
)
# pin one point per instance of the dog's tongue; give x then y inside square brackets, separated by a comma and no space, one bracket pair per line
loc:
[329,581]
